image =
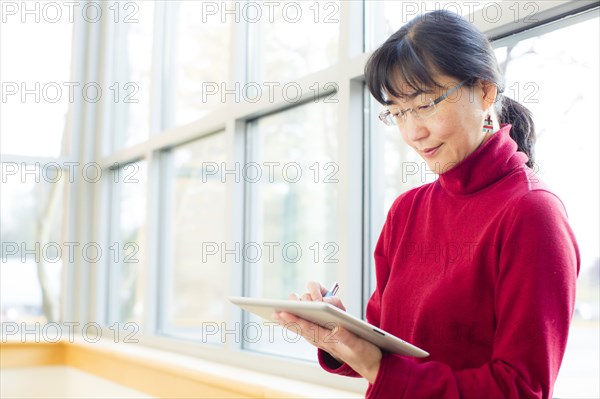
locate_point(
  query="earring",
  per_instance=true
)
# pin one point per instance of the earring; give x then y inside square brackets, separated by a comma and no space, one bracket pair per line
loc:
[488,126]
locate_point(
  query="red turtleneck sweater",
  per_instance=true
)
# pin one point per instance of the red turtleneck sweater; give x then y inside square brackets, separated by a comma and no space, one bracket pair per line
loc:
[479,269]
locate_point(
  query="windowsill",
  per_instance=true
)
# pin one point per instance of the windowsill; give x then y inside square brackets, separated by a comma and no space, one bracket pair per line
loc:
[161,373]
[61,382]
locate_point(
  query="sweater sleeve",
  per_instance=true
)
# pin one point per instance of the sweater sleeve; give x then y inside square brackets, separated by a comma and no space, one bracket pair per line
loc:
[328,363]
[534,298]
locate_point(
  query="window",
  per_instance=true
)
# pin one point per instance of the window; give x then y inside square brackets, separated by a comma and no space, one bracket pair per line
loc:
[386,17]
[36,180]
[291,182]
[132,86]
[395,168]
[33,248]
[126,252]
[30,90]
[291,39]
[195,269]
[200,44]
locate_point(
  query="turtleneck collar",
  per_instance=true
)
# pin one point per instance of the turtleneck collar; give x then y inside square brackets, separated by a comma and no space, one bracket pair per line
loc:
[493,160]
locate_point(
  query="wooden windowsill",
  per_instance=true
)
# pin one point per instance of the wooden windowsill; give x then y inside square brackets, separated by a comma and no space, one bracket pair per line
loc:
[160,373]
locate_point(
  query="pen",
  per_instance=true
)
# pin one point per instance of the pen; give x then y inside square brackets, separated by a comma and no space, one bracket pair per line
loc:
[334,289]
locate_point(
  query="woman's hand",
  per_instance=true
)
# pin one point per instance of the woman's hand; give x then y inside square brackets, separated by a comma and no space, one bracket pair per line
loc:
[343,345]
[316,292]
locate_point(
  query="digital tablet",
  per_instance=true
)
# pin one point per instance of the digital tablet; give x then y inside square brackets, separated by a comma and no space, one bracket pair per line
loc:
[328,316]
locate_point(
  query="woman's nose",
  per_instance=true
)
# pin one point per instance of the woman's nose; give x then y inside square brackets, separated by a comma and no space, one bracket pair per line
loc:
[414,129]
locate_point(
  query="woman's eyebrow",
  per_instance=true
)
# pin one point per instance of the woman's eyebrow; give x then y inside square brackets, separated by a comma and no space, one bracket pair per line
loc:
[410,96]
[416,94]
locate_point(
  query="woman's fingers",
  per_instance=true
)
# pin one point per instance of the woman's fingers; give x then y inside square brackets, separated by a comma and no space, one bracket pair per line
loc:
[335,301]
[306,297]
[336,340]
[316,290]
[343,345]
[316,335]
[315,293]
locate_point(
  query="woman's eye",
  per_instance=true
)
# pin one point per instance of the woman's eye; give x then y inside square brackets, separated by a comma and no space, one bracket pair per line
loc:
[424,107]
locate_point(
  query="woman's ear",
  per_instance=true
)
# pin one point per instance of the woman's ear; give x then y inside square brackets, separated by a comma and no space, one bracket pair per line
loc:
[490,92]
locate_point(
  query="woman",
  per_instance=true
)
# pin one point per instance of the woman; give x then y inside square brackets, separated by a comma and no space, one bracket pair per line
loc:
[477,268]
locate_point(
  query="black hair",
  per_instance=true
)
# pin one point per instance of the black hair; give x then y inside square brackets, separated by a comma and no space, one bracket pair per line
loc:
[442,42]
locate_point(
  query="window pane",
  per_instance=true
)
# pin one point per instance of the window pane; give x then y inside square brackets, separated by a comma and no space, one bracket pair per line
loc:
[33,249]
[291,39]
[385,17]
[201,47]
[395,168]
[293,218]
[35,60]
[567,158]
[126,252]
[131,88]
[194,284]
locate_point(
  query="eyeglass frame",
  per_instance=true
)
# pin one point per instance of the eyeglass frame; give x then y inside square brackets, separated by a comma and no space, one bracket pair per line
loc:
[383,115]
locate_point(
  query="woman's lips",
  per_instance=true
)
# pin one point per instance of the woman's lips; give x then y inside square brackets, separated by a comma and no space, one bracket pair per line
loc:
[430,152]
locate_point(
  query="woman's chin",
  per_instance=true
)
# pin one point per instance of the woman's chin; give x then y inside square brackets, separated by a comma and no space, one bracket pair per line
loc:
[439,167]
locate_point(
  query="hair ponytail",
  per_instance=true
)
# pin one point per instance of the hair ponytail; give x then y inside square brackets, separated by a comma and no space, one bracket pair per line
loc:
[523,128]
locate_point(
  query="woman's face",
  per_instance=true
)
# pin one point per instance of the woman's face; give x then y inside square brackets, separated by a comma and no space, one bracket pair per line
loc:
[454,131]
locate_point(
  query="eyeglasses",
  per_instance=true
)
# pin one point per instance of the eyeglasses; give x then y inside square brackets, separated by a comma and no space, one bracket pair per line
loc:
[399,116]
